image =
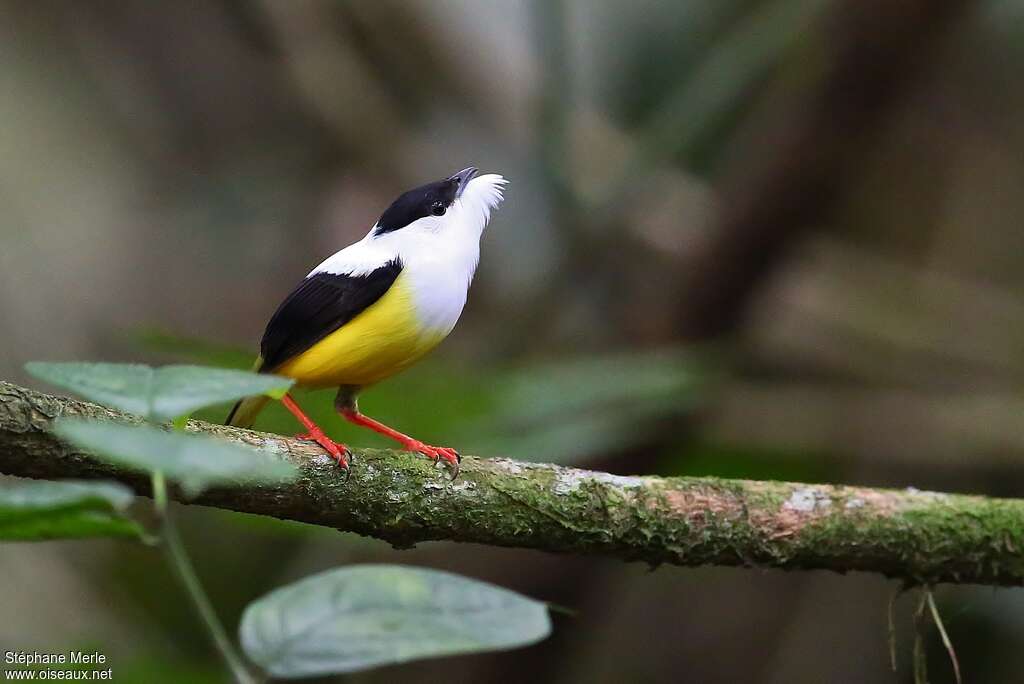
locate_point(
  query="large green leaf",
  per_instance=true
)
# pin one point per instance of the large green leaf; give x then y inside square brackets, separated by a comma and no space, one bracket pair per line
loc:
[363,616]
[36,510]
[179,390]
[157,394]
[195,462]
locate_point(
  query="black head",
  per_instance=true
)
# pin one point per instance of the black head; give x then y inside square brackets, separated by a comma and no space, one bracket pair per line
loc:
[432,199]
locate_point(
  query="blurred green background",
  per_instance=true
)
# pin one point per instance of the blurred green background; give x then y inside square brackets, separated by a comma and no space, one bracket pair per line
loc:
[772,239]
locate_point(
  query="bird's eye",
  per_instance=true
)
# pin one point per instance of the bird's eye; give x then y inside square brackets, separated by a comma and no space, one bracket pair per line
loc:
[437,208]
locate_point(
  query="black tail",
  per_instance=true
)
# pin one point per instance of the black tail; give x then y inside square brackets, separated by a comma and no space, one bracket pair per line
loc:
[244,412]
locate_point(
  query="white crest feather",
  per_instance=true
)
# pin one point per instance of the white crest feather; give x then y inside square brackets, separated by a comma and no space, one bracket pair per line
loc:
[482,195]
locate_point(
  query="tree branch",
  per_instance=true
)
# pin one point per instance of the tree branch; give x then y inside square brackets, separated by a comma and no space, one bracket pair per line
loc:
[919,537]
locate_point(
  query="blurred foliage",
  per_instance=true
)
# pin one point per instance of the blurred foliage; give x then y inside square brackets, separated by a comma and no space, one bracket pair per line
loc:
[32,511]
[196,462]
[708,458]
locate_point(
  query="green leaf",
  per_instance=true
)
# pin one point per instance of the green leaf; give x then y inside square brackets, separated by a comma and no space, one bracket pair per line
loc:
[122,386]
[37,510]
[179,390]
[193,461]
[160,394]
[363,616]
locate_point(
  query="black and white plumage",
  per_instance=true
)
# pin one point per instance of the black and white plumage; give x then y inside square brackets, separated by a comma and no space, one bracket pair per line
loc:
[322,303]
[377,306]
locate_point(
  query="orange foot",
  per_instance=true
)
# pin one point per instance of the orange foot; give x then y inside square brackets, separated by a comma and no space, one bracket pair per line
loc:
[436,454]
[337,450]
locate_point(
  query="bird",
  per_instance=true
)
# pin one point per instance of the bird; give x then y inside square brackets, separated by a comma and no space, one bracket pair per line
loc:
[380,305]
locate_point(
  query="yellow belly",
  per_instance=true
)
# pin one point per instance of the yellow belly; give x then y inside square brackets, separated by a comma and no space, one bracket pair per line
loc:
[381,341]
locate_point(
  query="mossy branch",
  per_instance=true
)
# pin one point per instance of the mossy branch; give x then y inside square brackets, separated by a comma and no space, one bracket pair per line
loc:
[919,537]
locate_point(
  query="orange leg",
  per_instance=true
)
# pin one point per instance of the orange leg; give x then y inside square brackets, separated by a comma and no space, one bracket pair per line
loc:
[340,452]
[352,415]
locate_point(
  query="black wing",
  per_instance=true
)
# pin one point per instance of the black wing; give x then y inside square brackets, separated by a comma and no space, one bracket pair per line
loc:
[321,304]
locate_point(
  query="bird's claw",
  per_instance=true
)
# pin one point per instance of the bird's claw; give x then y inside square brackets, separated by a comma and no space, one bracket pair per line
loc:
[450,456]
[342,455]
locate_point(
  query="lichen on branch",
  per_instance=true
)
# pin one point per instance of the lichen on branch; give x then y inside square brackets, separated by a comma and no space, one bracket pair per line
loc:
[919,537]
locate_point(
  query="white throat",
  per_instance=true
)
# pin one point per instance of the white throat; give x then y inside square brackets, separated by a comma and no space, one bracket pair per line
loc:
[439,254]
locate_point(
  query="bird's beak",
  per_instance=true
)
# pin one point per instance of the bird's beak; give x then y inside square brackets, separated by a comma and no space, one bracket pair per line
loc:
[463,177]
